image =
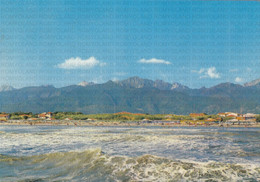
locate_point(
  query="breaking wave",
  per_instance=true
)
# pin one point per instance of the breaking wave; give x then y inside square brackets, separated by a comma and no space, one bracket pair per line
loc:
[94,165]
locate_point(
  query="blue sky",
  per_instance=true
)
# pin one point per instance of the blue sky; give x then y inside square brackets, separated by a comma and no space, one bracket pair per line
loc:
[196,43]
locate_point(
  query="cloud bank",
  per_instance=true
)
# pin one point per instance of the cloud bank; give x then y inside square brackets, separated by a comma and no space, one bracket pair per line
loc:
[78,63]
[154,61]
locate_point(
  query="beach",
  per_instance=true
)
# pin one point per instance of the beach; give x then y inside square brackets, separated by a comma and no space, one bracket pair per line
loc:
[123,123]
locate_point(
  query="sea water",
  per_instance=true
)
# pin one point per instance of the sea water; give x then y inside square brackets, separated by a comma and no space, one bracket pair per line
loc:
[116,153]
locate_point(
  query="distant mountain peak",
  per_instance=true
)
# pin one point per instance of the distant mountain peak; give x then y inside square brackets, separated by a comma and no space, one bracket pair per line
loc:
[4,88]
[252,83]
[48,86]
[137,82]
[178,86]
[162,85]
[84,83]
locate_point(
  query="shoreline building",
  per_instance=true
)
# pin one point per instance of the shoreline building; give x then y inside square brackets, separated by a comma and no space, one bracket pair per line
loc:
[4,117]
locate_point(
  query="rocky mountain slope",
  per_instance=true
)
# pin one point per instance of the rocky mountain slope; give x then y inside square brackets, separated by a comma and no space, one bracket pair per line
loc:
[133,95]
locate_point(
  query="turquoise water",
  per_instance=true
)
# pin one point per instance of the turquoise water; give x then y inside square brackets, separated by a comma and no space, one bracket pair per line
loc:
[65,153]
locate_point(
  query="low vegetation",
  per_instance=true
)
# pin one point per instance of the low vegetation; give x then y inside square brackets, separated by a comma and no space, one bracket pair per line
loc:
[258,119]
[121,116]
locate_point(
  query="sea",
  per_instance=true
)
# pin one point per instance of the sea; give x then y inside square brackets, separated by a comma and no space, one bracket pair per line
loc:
[134,153]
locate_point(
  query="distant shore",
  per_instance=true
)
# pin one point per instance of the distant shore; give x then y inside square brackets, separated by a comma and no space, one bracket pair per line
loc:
[119,123]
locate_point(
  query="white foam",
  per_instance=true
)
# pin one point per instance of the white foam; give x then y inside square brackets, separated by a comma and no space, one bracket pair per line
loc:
[175,143]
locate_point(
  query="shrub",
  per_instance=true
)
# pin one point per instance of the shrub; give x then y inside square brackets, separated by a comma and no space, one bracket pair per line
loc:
[258,119]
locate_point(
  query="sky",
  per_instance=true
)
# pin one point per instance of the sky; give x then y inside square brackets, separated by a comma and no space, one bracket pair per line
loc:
[195,43]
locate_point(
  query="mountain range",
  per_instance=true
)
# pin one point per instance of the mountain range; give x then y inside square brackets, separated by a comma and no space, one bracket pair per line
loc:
[133,95]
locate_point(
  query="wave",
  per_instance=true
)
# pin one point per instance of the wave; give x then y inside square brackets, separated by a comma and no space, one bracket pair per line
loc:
[94,165]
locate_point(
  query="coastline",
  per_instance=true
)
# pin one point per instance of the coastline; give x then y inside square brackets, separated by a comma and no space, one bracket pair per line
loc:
[119,123]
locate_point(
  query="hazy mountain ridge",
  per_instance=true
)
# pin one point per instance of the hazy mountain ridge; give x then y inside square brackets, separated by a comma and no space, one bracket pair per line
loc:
[5,88]
[84,83]
[253,83]
[133,95]
[136,82]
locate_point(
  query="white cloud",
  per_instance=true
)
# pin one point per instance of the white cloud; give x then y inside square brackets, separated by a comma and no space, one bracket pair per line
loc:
[208,73]
[212,73]
[154,61]
[238,80]
[199,72]
[78,63]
